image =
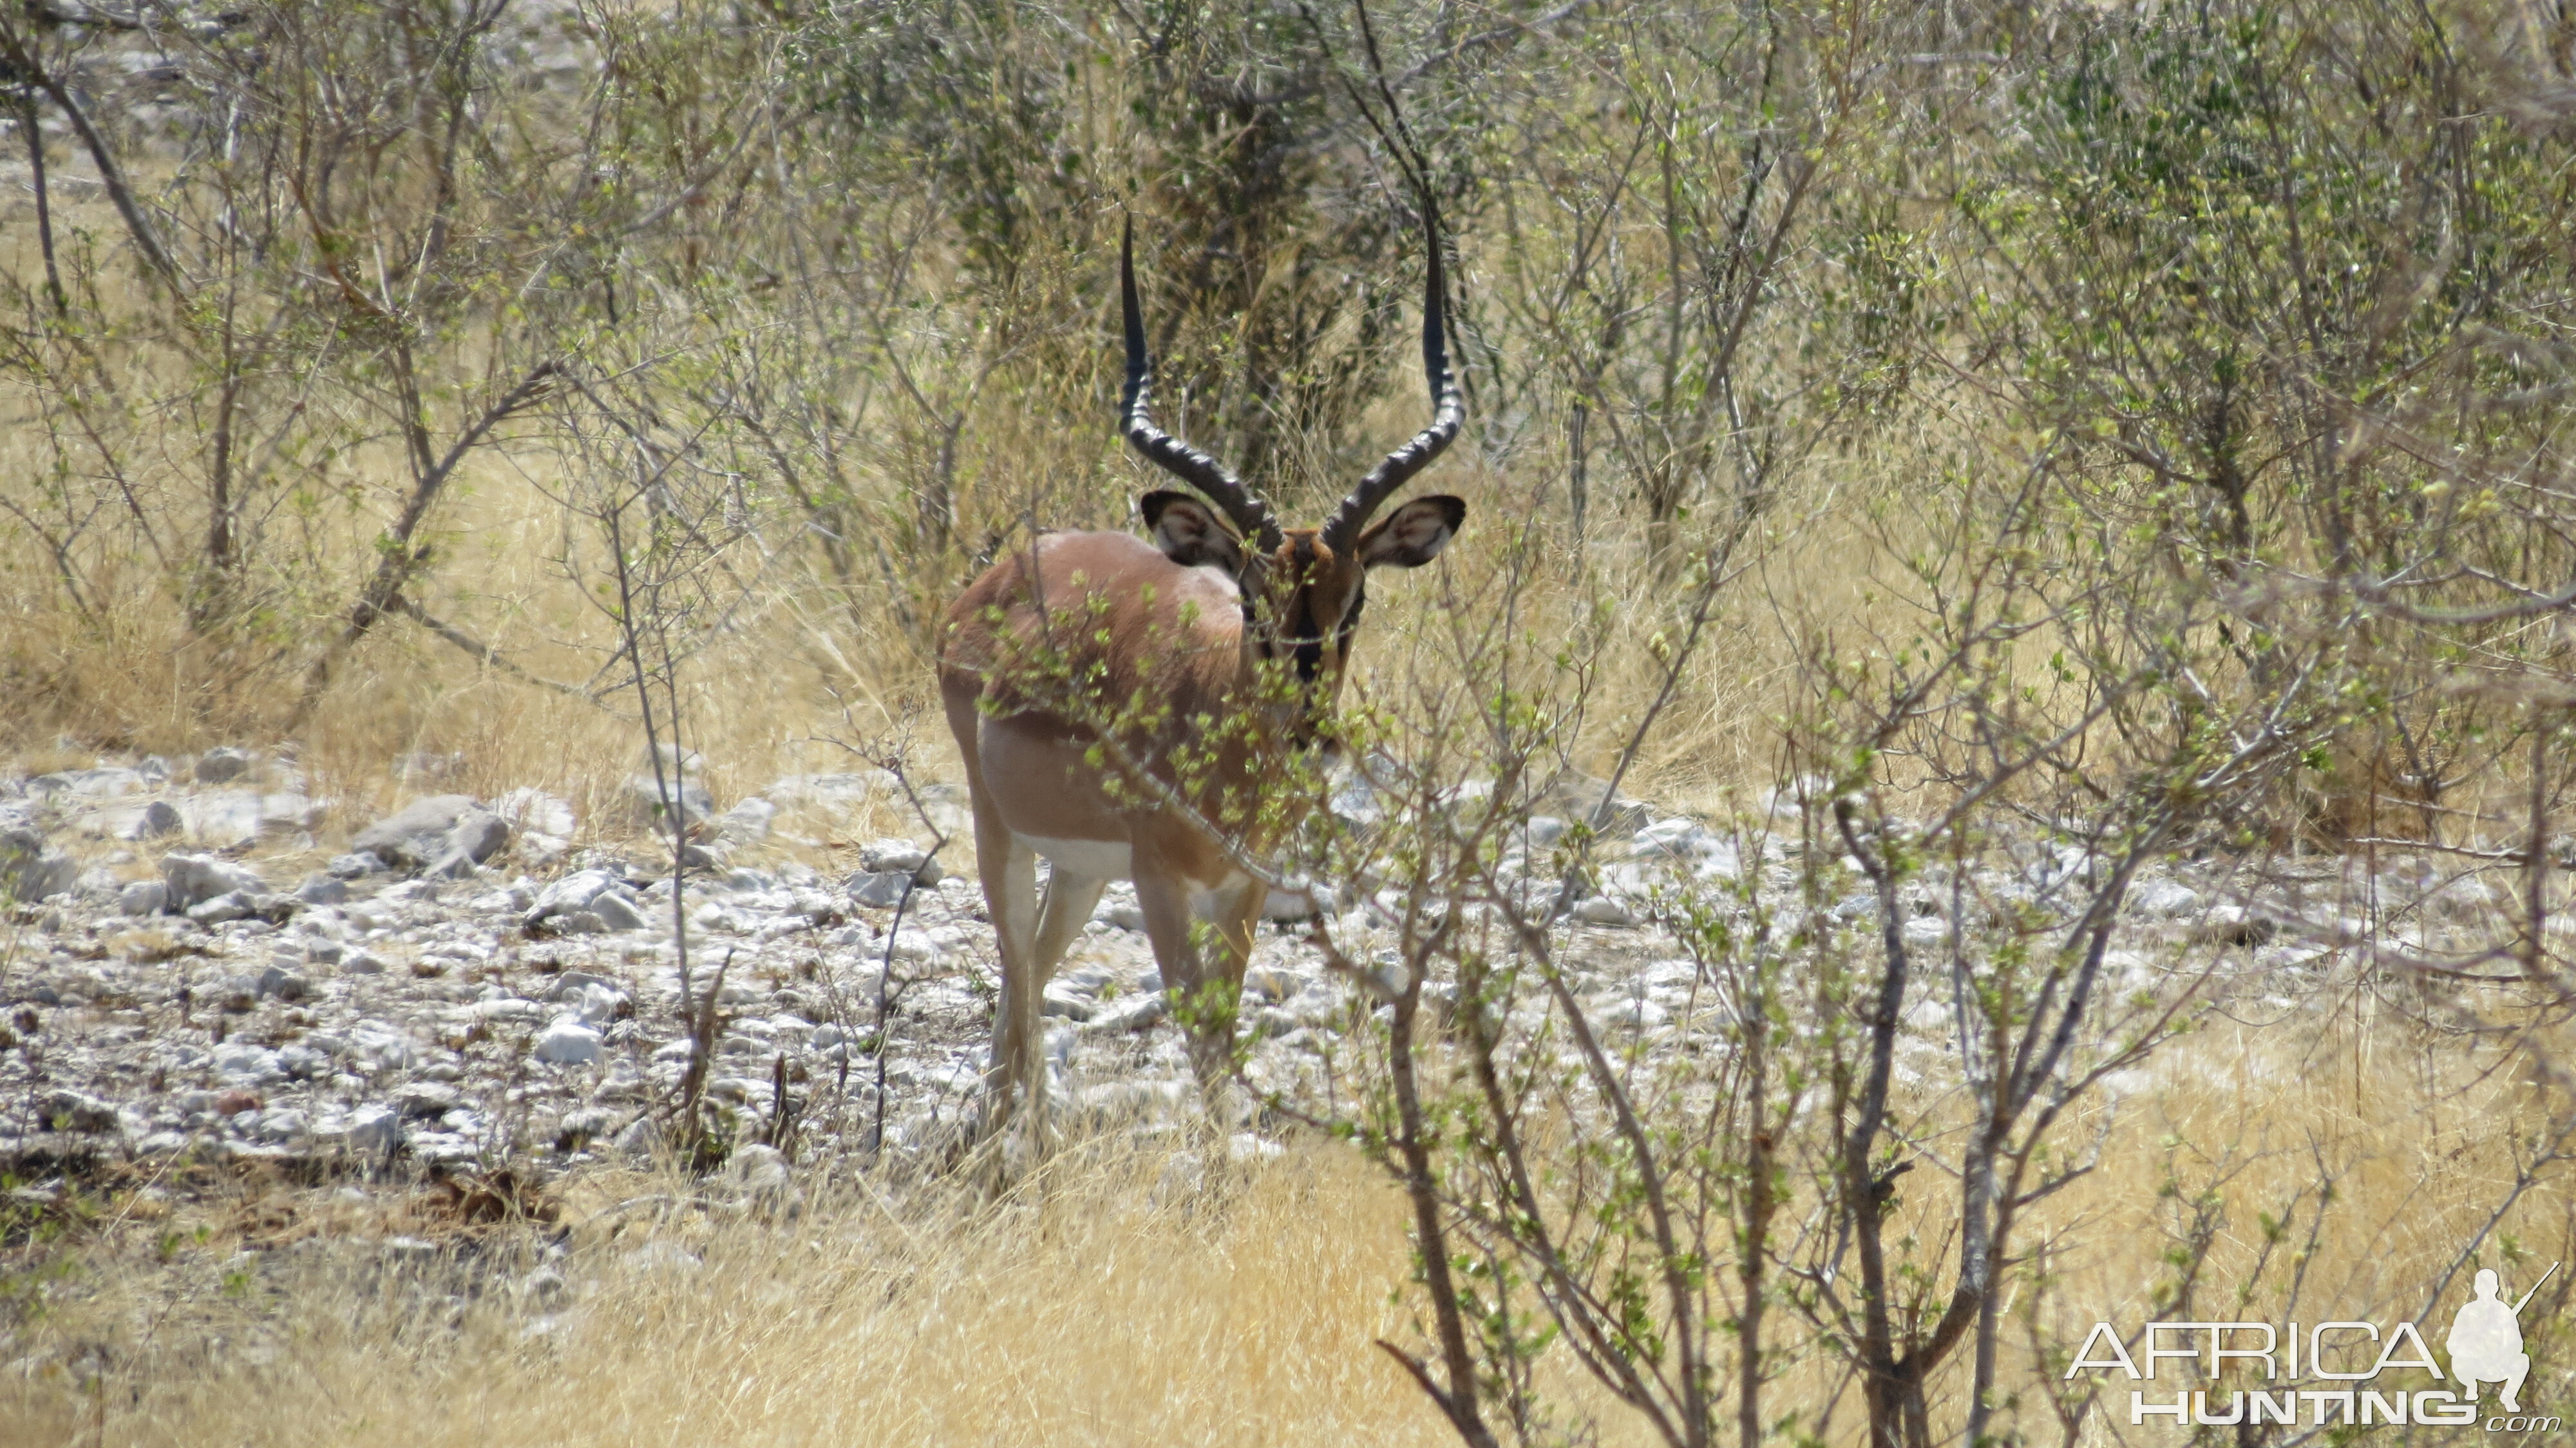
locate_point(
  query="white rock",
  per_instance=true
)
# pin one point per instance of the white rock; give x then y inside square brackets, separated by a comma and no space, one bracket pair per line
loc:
[881,889]
[761,1169]
[599,1004]
[1605,910]
[567,1042]
[573,892]
[194,879]
[245,1064]
[153,821]
[748,821]
[1675,836]
[72,1111]
[899,856]
[230,817]
[2164,899]
[535,811]
[418,834]
[616,911]
[222,765]
[283,1124]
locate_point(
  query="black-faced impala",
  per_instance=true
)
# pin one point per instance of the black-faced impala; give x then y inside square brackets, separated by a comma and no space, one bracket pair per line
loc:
[1129,708]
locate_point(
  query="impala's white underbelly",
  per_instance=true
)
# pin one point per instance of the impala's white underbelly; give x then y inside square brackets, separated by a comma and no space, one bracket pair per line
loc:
[1100,859]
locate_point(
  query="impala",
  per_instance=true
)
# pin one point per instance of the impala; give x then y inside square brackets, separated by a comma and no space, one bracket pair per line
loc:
[1126,707]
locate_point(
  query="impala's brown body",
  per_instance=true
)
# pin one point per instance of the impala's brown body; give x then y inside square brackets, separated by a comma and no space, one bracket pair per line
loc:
[1123,713]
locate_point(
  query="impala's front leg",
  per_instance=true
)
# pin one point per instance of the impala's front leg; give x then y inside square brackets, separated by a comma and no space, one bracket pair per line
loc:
[1204,991]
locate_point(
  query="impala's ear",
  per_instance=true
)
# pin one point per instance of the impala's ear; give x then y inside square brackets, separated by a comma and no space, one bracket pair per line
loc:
[1413,534]
[1189,534]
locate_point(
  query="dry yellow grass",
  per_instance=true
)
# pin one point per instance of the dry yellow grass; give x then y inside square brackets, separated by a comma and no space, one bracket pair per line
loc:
[1108,1307]
[1127,1299]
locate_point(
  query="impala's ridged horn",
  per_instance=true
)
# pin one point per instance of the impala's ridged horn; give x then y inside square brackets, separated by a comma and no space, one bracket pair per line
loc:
[1251,516]
[1446,410]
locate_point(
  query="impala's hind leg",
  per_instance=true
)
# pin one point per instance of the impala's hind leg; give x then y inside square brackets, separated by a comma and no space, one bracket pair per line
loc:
[1067,907]
[1070,899]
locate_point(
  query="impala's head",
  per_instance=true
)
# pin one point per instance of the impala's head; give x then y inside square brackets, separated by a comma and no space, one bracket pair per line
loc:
[1302,588]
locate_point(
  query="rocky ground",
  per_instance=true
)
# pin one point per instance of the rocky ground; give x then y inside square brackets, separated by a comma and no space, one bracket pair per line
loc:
[190,974]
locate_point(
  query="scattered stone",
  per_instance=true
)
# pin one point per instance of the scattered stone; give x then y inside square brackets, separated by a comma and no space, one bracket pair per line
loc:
[454,865]
[2164,899]
[239,905]
[762,1173]
[614,911]
[1289,905]
[1575,796]
[222,765]
[194,879]
[640,1138]
[72,1111]
[355,866]
[1677,837]
[533,811]
[2234,925]
[748,821]
[375,1130]
[1128,1013]
[228,818]
[159,819]
[430,829]
[1272,983]
[234,1103]
[362,962]
[427,1100]
[902,857]
[651,811]
[142,897]
[574,892]
[882,889]
[103,783]
[322,890]
[282,1125]
[29,870]
[579,1128]
[1605,910]
[480,834]
[568,1042]
[284,984]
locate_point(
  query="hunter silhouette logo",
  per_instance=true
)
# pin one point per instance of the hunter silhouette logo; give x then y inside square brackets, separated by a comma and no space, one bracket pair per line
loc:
[2485,1347]
[2486,1340]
